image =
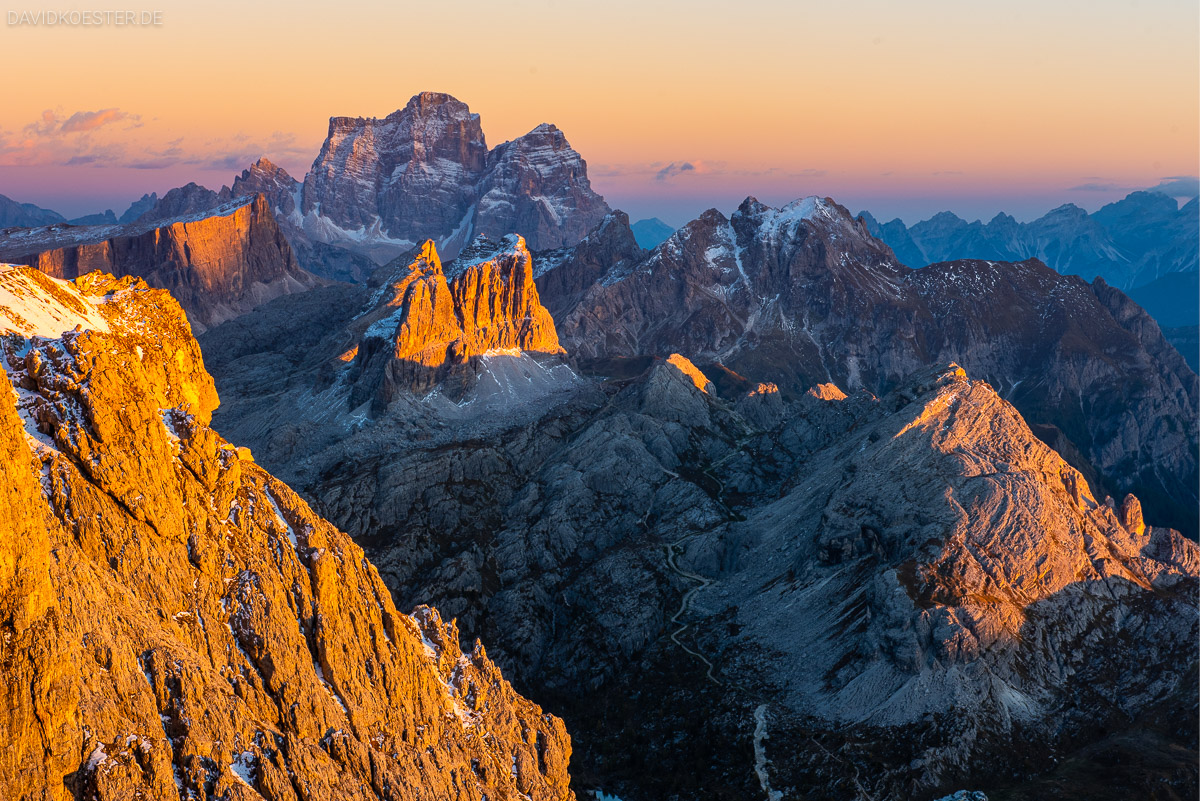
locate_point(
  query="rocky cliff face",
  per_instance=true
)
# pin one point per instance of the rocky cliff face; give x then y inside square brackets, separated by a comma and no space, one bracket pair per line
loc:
[425,172]
[431,328]
[537,185]
[803,295]
[609,248]
[179,622]
[219,262]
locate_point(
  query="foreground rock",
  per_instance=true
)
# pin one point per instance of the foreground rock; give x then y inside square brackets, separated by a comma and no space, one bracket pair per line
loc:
[180,623]
[218,262]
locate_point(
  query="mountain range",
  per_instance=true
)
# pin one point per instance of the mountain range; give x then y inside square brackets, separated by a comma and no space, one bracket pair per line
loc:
[1129,243]
[803,573]
[762,509]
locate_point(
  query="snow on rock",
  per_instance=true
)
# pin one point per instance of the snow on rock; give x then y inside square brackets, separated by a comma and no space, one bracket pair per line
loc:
[35,305]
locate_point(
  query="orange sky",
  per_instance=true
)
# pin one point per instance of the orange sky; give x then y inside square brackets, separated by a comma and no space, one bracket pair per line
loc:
[903,108]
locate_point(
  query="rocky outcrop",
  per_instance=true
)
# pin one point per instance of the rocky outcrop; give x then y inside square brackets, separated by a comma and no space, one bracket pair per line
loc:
[970,610]
[537,185]
[179,622]
[218,263]
[188,200]
[431,326]
[609,249]
[805,295]
[425,172]
[409,176]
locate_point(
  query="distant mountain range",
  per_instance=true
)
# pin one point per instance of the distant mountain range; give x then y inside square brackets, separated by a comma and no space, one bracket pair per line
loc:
[651,233]
[1129,243]
[27,215]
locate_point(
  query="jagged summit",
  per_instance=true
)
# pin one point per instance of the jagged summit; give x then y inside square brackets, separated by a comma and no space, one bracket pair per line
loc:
[272,181]
[425,172]
[432,327]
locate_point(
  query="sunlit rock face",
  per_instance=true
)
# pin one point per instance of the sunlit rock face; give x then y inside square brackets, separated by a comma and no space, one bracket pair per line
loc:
[804,295]
[425,172]
[428,327]
[217,262]
[179,623]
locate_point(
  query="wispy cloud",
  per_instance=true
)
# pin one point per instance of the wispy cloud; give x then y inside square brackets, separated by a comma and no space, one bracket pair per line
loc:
[52,123]
[105,138]
[661,171]
[674,169]
[91,120]
[1097,186]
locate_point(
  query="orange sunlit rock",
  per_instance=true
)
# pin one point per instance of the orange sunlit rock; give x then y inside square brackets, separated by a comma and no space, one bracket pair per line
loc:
[827,392]
[683,365]
[179,623]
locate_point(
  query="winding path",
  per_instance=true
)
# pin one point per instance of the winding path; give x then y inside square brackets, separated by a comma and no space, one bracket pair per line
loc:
[686,603]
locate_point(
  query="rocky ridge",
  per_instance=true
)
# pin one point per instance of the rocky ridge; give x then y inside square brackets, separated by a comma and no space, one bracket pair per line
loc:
[431,328]
[179,623]
[218,262]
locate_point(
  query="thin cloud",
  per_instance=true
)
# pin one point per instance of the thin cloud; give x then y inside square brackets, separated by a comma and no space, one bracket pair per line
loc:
[82,121]
[103,139]
[673,169]
[1097,186]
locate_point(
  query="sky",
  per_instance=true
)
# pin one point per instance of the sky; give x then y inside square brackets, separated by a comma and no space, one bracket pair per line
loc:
[902,108]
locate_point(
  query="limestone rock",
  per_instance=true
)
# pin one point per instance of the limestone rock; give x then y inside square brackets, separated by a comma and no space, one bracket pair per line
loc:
[425,172]
[1131,515]
[272,182]
[426,331]
[178,621]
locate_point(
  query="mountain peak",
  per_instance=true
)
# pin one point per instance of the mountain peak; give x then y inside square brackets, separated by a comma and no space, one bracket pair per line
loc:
[430,324]
[425,172]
